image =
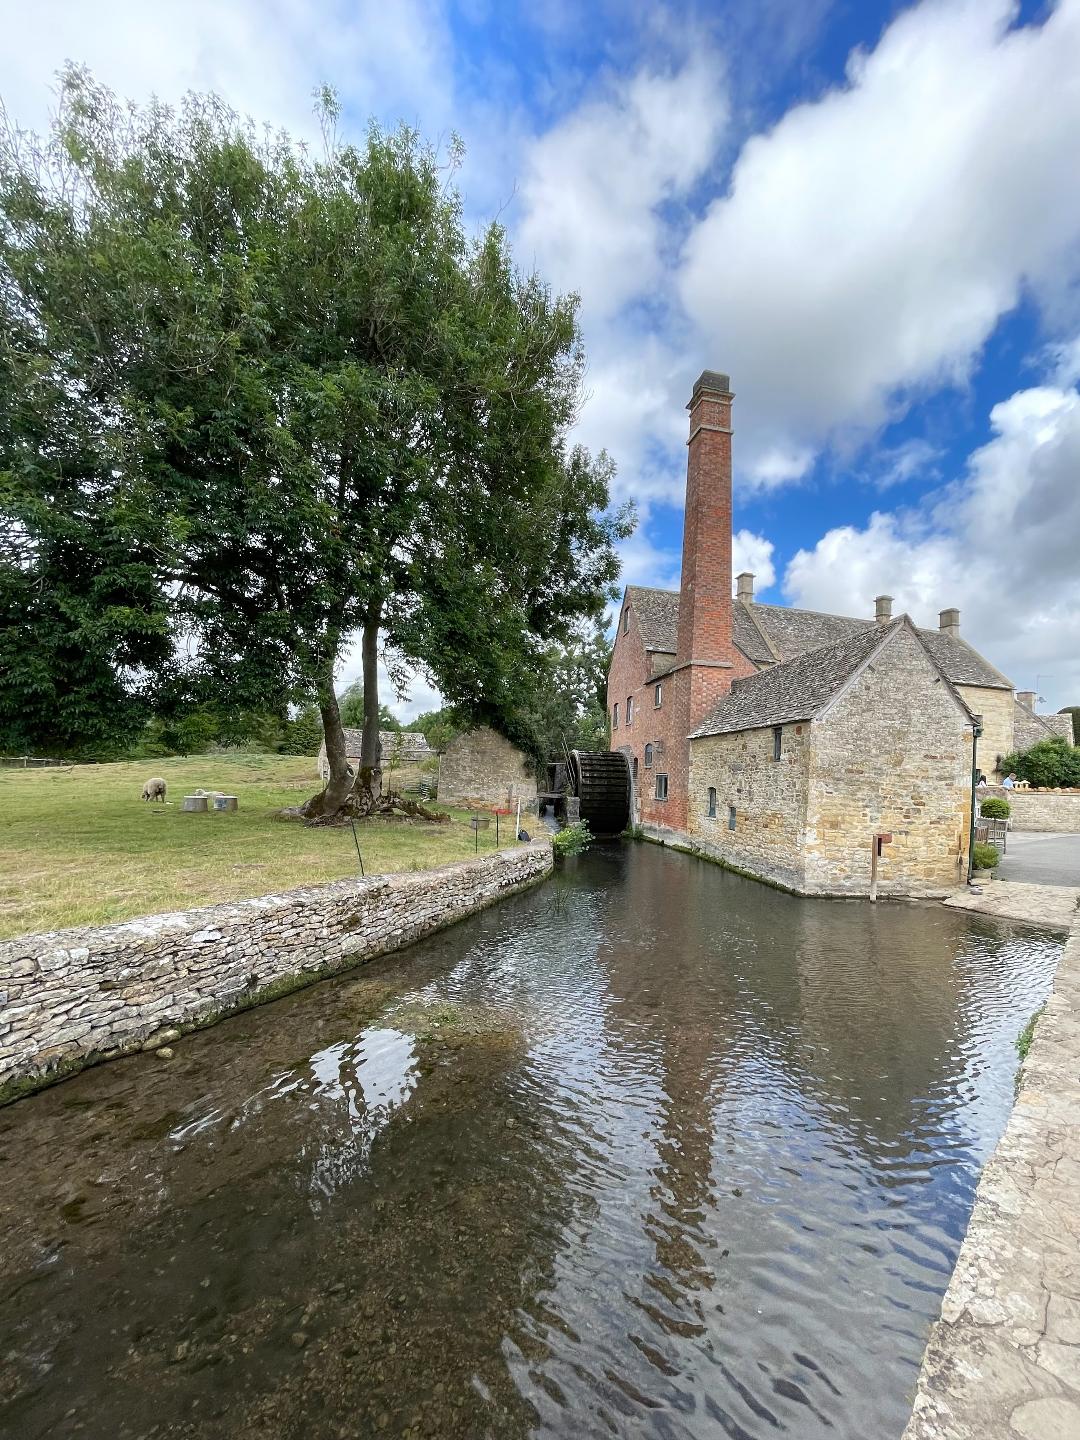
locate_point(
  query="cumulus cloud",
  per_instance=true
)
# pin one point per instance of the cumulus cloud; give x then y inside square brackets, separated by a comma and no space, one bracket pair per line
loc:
[754,553]
[868,245]
[1000,543]
[264,56]
[595,185]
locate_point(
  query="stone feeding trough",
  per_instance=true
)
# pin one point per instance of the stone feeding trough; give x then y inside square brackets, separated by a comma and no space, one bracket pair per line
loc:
[204,800]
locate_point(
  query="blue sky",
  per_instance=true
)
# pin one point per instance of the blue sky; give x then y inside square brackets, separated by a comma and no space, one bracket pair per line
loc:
[868,214]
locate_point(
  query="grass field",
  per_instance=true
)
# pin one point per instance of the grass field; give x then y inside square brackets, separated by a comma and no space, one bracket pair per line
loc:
[79,847]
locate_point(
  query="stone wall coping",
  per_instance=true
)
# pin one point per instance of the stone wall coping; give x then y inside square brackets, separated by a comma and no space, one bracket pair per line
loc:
[206,917]
[1002,1361]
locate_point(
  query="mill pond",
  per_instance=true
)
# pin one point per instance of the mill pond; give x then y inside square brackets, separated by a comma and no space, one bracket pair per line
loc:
[651,1150]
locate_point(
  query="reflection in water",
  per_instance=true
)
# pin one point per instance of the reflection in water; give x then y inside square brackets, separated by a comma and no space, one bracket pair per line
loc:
[679,1156]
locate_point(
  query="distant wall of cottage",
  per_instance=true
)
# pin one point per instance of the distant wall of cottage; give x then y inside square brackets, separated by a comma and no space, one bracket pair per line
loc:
[73,997]
[1056,811]
[482,770]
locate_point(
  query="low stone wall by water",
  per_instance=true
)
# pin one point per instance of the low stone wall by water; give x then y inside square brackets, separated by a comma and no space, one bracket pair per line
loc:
[1004,1359]
[72,997]
[1043,810]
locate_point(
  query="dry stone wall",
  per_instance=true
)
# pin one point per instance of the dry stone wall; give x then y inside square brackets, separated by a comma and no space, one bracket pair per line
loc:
[1044,810]
[71,997]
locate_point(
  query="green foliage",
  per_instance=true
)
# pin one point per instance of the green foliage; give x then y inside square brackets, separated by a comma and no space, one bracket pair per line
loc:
[303,733]
[1047,765]
[994,807]
[438,727]
[1074,711]
[253,402]
[1027,1034]
[985,857]
[571,839]
[351,710]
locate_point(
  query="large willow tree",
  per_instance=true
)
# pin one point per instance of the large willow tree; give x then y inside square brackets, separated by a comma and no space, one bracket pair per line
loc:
[256,403]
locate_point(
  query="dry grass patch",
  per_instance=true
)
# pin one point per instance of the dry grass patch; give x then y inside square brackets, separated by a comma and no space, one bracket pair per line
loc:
[79,846]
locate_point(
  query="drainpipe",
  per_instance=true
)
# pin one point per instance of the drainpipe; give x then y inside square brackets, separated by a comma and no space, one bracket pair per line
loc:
[976,732]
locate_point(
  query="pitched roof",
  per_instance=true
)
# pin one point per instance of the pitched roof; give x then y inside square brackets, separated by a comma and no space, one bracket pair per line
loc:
[657,613]
[793,690]
[769,633]
[798,689]
[414,744]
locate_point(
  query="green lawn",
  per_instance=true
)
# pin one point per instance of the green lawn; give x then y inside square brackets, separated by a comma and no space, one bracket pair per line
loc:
[79,846]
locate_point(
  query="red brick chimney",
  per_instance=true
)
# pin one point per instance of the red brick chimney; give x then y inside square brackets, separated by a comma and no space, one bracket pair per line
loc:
[705,593]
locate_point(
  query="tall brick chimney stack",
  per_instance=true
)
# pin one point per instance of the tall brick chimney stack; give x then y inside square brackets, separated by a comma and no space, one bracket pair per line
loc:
[705,594]
[949,621]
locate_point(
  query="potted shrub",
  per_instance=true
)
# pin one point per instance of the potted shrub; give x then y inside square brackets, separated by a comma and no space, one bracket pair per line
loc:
[995,807]
[984,861]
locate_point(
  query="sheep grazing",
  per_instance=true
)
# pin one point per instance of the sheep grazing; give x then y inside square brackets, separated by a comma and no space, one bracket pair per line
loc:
[154,789]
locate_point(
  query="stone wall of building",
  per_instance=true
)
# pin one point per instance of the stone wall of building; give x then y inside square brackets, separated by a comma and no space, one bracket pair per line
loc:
[769,798]
[997,708]
[72,997]
[1056,811]
[892,755]
[482,770]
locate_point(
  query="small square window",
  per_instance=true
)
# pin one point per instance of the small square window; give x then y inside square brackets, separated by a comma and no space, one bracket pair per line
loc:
[731,817]
[629,709]
[777,741]
[658,697]
[712,802]
[615,716]
[661,787]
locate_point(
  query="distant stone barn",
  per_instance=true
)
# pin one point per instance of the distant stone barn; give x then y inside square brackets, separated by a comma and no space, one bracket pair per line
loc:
[482,770]
[407,749]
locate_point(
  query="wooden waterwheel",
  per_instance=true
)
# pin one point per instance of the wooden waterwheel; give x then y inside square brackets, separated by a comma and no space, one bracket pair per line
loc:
[601,781]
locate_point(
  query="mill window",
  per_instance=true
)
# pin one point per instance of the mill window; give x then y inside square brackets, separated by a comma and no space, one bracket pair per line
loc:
[626,620]
[615,716]
[658,697]
[731,817]
[629,709]
[661,787]
[634,769]
[777,741]
[712,802]
[648,757]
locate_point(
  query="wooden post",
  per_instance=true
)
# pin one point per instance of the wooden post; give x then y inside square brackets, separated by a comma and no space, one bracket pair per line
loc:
[873,869]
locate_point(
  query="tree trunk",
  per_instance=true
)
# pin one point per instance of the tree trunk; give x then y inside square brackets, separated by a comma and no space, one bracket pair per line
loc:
[368,785]
[330,800]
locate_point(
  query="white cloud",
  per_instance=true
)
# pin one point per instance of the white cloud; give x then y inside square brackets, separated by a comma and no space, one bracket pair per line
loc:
[264,56]
[595,185]
[1000,544]
[754,553]
[870,242]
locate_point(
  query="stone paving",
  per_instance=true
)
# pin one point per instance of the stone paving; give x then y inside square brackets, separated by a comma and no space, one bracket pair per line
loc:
[1004,1359]
[1054,906]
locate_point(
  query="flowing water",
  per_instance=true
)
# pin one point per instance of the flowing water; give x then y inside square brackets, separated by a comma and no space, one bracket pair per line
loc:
[649,1151]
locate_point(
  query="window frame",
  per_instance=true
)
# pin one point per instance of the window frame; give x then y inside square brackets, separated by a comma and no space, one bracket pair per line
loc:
[649,756]
[778,742]
[658,695]
[629,711]
[615,716]
[626,620]
[710,812]
[731,817]
[661,776]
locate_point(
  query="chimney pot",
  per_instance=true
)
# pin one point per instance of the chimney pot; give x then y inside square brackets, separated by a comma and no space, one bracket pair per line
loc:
[745,582]
[883,609]
[949,621]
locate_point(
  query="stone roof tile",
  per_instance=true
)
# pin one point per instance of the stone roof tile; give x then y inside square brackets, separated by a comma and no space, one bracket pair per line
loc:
[657,613]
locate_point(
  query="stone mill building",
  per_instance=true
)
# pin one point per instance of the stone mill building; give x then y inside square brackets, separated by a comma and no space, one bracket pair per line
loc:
[784,741]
